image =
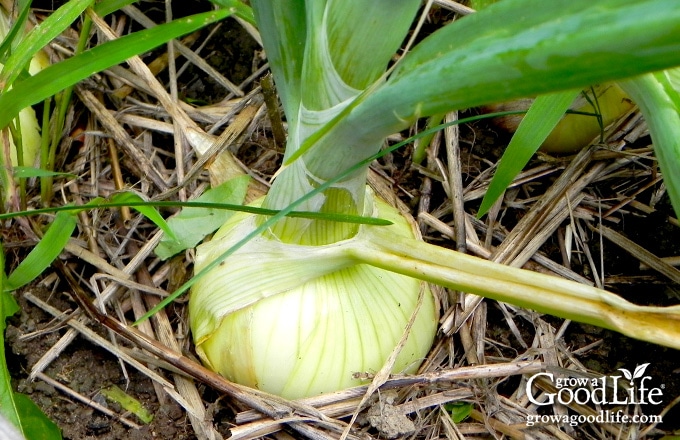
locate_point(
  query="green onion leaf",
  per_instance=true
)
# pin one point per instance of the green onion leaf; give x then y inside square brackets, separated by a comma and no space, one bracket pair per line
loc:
[660,105]
[47,249]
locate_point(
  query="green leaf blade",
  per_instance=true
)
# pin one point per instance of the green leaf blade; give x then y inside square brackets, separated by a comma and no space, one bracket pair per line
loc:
[42,255]
[8,307]
[28,172]
[106,7]
[12,35]
[240,9]
[543,116]
[140,205]
[35,424]
[129,403]
[659,102]
[17,408]
[459,411]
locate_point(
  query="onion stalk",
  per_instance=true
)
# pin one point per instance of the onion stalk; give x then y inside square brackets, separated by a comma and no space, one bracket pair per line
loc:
[308,302]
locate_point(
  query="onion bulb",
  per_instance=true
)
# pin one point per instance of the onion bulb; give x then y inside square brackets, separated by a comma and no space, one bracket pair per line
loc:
[298,320]
[574,131]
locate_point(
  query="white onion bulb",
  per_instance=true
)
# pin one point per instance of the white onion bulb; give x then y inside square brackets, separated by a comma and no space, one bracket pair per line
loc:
[298,320]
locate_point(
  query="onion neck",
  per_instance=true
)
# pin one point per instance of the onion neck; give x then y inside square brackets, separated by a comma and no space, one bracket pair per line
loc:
[314,168]
[344,197]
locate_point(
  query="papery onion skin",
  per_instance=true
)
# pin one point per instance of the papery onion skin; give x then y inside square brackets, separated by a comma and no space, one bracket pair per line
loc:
[310,339]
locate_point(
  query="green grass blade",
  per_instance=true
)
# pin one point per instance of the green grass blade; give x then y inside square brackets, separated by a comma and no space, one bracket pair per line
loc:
[44,252]
[101,203]
[28,172]
[68,72]
[660,105]
[17,408]
[38,38]
[8,307]
[541,118]
[15,32]
[239,9]
[132,199]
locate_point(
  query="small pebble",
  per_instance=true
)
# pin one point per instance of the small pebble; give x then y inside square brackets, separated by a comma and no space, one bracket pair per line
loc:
[99,425]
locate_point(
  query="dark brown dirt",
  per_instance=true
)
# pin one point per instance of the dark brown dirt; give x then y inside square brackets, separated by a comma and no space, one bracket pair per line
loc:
[86,369]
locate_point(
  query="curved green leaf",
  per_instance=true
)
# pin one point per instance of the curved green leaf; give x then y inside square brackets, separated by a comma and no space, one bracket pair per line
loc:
[8,307]
[132,199]
[34,423]
[660,105]
[240,9]
[42,255]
